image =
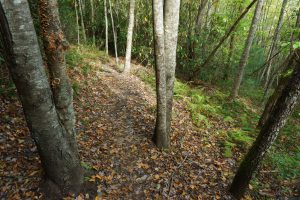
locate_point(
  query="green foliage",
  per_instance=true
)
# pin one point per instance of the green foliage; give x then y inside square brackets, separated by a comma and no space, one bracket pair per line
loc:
[73,57]
[86,166]
[86,69]
[76,88]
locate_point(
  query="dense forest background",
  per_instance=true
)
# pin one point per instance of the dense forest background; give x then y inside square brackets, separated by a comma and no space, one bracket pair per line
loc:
[211,59]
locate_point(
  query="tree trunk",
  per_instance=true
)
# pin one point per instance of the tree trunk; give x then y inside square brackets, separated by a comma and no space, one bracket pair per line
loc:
[247,48]
[229,58]
[283,81]
[160,137]
[93,21]
[277,119]
[82,21]
[106,27]
[171,23]
[223,39]
[54,46]
[274,42]
[129,37]
[77,23]
[200,17]
[114,32]
[166,21]
[59,155]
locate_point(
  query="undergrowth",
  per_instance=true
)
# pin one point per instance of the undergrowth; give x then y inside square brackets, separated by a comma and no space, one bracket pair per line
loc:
[241,115]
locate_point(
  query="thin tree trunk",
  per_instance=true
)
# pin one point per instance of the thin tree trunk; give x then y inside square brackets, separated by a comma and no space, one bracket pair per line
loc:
[200,17]
[129,37]
[274,42]
[106,27]
[283,81]
[77,23]
[229,58]
[60,160]
[82,21]
[93,21]
[269,132]
[231,29]
[160,137]
[114,32]
[247,48]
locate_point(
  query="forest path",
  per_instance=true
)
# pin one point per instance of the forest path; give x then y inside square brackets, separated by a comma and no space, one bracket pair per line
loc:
[117,119]
[115,122]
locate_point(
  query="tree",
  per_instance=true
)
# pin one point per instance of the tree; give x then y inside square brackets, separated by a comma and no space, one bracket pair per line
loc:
[246,52]
[54,47]
[269,131]
[77,22]
[200,17]
[222,40]
[106,27]
[166,21]
[129,37]
[93,21]
[81,19]
[114,32]
[287,64]
[57,149]
[267,70]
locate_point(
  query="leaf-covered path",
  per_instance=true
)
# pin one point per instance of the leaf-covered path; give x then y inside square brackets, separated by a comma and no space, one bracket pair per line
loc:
[119,117]
[115,122]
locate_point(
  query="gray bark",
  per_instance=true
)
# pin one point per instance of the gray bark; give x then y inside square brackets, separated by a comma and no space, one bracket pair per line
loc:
[93,21]
[247,48]
[106,27]
[171,23]
[129,37]
[166,20]
[77,22]
[269,132]
[275,40]
[161,137]
[200,22]
[114,32]
[56,148]
[81,20]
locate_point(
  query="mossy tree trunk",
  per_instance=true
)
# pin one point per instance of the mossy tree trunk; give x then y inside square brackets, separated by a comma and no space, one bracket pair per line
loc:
[59,159]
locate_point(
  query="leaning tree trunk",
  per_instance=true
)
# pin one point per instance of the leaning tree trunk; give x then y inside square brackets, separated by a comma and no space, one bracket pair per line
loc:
[277,119]
[283,81]
[129,37]
[222,40]
[59,156]
[166,20]
[276,36]
[247,48]
[114,32]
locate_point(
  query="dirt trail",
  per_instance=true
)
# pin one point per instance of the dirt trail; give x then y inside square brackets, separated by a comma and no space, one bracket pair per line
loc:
[115,123]
[128,164]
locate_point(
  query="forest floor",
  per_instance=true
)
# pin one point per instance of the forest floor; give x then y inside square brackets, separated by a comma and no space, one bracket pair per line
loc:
[115,123]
